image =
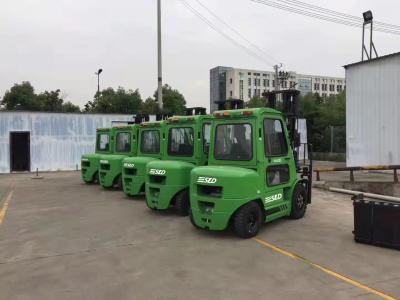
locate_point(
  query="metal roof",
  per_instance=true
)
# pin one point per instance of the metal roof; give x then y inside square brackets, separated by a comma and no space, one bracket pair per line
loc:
[371,60]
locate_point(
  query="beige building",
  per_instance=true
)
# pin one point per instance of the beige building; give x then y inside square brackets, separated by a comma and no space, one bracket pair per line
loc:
[244,84]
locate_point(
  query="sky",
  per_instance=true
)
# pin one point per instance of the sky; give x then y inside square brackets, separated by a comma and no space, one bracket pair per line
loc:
[60,44]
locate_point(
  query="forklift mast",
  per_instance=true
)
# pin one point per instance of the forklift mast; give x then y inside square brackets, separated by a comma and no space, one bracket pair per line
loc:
[230,104]
[288,104]
[195,111]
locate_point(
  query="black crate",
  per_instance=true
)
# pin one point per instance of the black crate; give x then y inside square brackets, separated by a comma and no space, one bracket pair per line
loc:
[377,222]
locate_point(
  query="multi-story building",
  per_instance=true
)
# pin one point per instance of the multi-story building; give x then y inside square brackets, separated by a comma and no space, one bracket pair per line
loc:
[231,83]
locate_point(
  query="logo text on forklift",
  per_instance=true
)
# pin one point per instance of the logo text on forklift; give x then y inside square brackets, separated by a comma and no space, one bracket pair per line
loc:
[128,165]
[157,172]
[203,179]
[273,198]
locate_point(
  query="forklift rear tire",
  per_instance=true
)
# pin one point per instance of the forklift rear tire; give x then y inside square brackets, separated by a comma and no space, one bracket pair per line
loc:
[119,182]
[182,204]
[96,178]
[299,202]
[247,220]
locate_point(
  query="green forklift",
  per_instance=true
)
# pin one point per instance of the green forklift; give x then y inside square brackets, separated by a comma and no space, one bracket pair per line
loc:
[186,146]
[90,162]
[253,173]
[151,136]
[125,145]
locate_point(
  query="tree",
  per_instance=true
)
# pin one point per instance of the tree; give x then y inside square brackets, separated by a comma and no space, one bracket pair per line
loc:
[173,101]
[256,102]
[20,97]
[119,101]
[150,107]
[69,107]
[50,101]
[321,114]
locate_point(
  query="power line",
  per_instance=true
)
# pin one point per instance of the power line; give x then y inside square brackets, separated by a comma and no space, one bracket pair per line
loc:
[226,36]
[336,13]
[321,16]
[235,31]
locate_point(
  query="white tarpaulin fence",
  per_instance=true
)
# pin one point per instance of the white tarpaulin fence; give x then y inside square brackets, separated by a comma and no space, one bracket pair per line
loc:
[57,140]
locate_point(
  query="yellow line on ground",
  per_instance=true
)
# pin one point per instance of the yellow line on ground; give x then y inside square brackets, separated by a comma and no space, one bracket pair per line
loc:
[326,270]
[3,210]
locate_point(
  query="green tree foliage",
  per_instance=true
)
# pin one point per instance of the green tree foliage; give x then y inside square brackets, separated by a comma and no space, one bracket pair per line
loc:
[256,102]
[173,101]
[115,101]
[321,114]
[69,107]
[22,97]
[150,106]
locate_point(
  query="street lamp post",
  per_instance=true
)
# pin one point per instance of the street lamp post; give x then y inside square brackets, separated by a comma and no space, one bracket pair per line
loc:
[98,79]
[159,56]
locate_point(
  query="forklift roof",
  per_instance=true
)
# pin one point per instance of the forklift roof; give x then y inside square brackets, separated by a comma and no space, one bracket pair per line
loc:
[245,113]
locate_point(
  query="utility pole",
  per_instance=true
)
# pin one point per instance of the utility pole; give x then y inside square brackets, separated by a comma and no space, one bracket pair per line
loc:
[159,93]
[276,68]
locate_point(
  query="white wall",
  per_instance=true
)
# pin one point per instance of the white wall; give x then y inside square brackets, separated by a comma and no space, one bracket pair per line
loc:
[373,112]
[57,140]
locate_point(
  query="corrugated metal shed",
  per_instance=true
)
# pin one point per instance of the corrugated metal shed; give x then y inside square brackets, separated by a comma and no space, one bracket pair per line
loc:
[373,111]
[57,140]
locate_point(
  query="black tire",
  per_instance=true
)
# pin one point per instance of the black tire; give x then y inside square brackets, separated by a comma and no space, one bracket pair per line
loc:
[182,203]
[247,220]
[96,178]
[299,202]
[119,182]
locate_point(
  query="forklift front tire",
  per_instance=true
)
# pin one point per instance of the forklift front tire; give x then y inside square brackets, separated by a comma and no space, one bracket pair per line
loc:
[247,220]
[299,202]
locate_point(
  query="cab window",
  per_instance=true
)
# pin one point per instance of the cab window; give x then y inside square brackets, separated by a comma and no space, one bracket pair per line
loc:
[274,138]
[123,142]
[150,141]
[233,142]
[103,141]
[181,141]
[206,137]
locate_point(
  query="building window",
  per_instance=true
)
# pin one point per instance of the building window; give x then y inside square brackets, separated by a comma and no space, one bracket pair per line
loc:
[255,81]
[264,82]
[255,93]
[256,74]
[324,87]
[316,86]
[273,83]
[339,88]
[231,93]
[267,82]
[249,73]
[249,94]
[249,81]
[331,87]
[230,80]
